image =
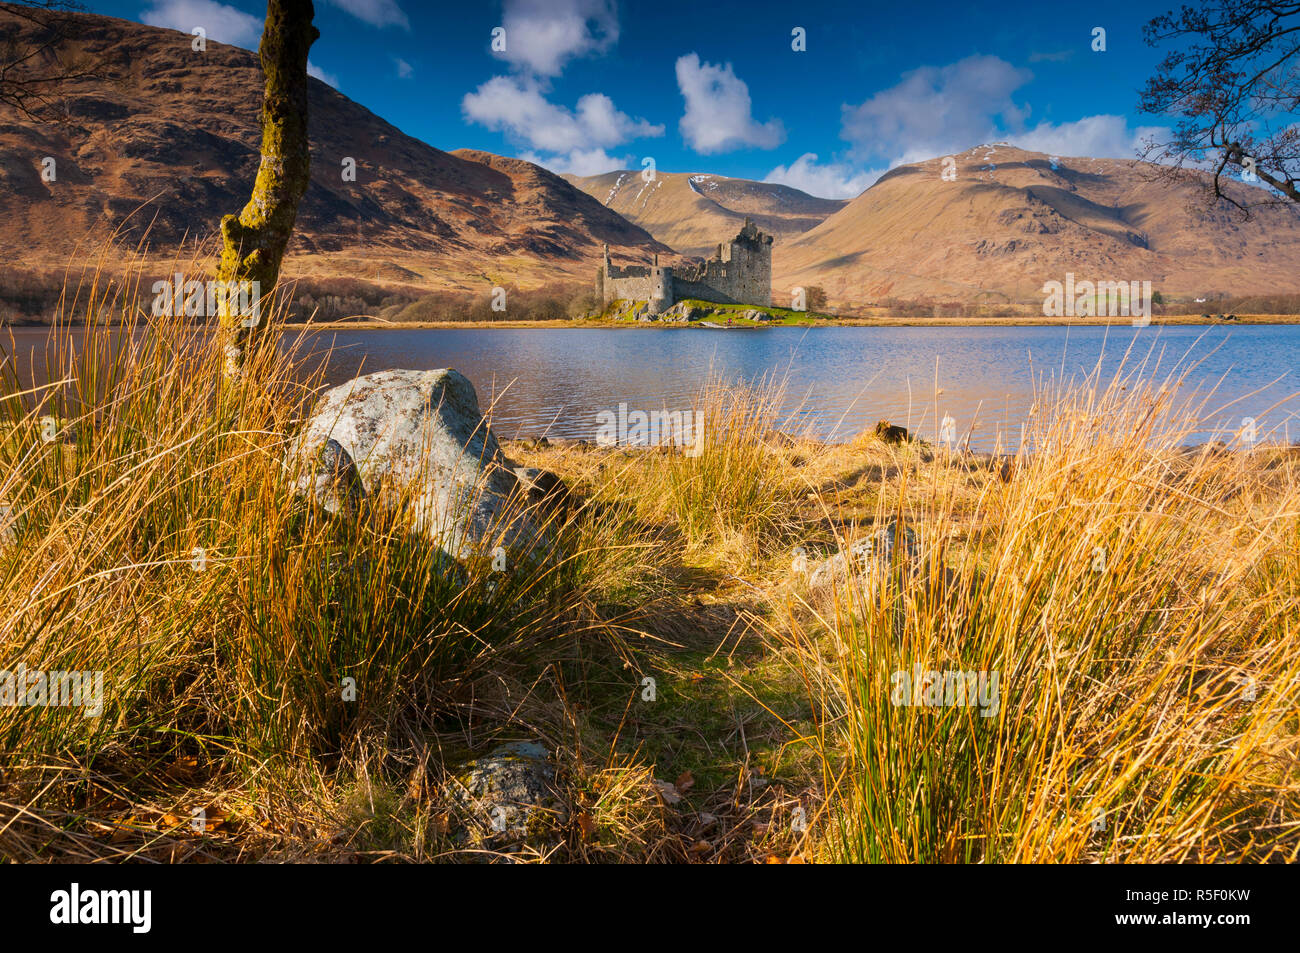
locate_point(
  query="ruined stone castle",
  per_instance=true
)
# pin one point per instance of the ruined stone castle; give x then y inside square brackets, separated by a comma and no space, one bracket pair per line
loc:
[739,273]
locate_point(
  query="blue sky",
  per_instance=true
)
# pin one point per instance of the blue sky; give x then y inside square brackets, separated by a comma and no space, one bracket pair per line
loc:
[592,85]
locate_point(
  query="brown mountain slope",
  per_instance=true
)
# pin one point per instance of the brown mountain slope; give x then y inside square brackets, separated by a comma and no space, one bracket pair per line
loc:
[692,213]
[1011,221]
[176,131]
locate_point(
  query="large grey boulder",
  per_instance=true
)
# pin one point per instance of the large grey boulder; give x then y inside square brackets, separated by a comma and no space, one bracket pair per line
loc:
[416,435]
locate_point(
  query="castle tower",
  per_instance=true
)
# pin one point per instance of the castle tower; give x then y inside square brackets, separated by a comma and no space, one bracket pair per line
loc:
[661,287]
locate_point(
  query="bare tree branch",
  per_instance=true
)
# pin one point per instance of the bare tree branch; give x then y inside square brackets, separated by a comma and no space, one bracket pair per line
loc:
[35,62]
[1232,81]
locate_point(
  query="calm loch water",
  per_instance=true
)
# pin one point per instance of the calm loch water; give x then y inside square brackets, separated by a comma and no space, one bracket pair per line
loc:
[839,381]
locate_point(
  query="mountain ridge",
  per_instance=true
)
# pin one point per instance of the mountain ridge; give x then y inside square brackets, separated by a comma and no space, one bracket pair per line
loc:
[693,211]
[1014,219]
[176,134]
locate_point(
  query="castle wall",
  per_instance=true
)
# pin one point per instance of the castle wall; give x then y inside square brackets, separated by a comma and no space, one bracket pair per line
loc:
[629,289]
[743,277]
[739,273]
[705,291]
[637,283]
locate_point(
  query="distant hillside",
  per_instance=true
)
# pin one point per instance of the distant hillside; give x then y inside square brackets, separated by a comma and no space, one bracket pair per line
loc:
[172,136]
[692,213]
[1015,219]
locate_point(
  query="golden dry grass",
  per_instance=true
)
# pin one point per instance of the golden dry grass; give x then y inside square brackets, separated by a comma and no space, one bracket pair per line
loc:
[1121,688]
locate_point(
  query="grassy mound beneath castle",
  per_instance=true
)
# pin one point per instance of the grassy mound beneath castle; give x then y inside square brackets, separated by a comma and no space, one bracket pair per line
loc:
[694,311]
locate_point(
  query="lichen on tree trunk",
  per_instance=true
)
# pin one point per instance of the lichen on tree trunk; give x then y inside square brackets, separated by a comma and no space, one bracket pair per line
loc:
[253,242]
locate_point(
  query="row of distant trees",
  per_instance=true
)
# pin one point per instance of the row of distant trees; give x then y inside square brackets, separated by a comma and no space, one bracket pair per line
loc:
[554,302]
[928,307]
[29,297]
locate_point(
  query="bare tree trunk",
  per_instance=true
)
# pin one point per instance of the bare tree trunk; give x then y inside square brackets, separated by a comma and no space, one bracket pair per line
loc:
[253,243]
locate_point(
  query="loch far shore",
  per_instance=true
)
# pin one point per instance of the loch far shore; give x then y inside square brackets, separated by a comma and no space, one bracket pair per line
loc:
[882,322]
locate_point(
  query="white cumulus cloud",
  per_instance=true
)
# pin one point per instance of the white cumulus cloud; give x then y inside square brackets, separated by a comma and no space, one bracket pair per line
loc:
[378,13]
[320,74]
[517,106]
[829,180]
[938,110]
[542,35]
[1101,137]
[719,113]
[943,110]
[580,162]
[220,22]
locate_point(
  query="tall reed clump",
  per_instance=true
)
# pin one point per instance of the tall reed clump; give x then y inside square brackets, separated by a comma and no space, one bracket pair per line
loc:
[149,532]
[1137,603]
[728,491]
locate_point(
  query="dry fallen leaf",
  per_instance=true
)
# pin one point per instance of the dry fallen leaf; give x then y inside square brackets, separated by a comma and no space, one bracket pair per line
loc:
[586,825]
[684,782]
[122,831]
[667,791]
[183,768]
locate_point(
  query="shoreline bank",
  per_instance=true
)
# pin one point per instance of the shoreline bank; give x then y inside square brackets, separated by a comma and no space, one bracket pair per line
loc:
[901,322]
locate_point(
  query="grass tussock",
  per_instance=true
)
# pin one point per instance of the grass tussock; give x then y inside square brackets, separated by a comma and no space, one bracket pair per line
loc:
[727,493]
[1137,603]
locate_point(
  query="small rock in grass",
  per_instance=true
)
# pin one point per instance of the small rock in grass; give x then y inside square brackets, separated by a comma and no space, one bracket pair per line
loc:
[507,798]
[891,433]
